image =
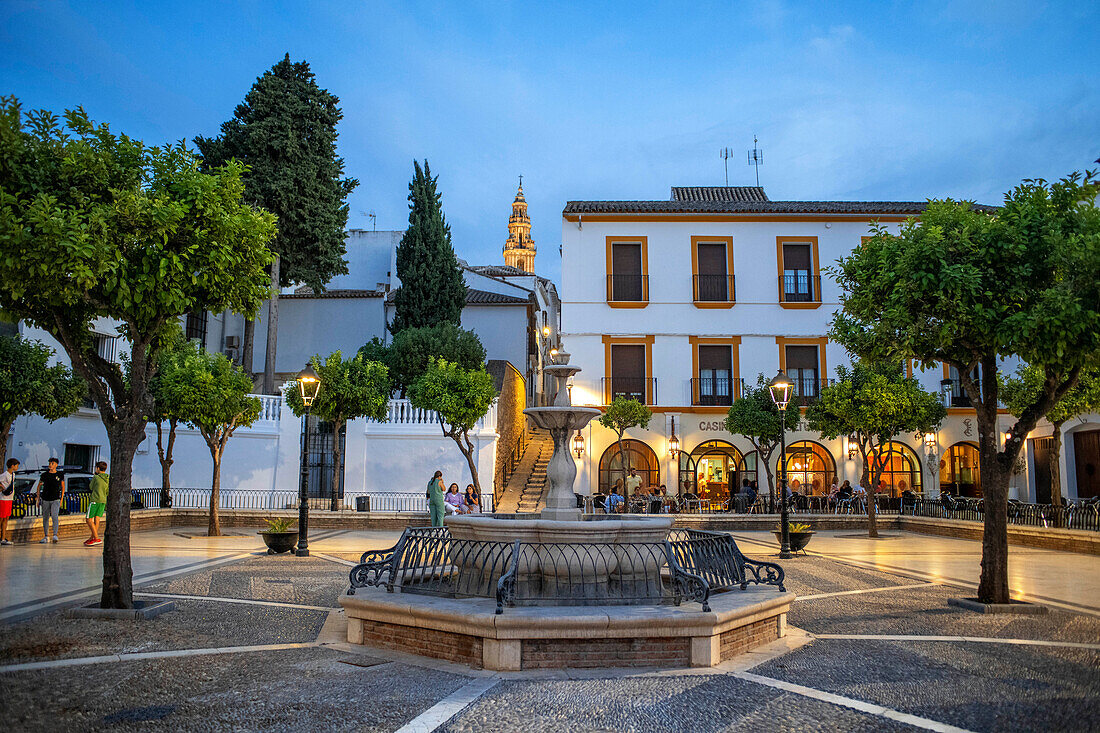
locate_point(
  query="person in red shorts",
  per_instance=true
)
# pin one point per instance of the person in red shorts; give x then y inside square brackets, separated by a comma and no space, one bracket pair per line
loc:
[7,497]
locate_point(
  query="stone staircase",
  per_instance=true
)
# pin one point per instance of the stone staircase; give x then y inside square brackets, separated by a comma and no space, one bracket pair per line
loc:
[526,488]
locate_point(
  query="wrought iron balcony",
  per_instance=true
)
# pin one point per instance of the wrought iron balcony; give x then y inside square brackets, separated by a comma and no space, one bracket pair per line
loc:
[713,288]
[712,391]
[632,288]
[642,389]
[800,287]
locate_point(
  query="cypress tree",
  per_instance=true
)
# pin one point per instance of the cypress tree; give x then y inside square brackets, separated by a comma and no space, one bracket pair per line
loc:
[285,132]
[432,289]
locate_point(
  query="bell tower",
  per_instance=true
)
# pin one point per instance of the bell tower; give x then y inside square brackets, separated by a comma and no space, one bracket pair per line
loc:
[519,249]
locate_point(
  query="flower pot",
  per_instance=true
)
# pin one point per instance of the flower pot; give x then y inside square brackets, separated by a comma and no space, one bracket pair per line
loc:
[279,542]
[799,540]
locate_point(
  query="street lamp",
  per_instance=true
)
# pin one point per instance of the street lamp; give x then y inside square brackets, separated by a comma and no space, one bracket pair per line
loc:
[578,445]
[309,384]
[781,388]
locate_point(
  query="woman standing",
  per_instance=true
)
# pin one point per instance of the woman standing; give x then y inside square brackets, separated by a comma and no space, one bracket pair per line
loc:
[435,499]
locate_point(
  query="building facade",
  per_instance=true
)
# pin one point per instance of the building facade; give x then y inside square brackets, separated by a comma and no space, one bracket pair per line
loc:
[680,303]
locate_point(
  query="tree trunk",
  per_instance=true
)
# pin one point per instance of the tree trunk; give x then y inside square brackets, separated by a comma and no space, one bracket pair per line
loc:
[337,453]
[214,528]
[1056,474]
[164,453]
[870,480]
[124,436]
[272,330]
[248,342]
[995,473]
[467,449]
[5,430]
[623,460]
[767,461]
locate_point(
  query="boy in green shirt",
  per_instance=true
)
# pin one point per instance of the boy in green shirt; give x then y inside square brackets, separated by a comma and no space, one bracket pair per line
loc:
[97,505]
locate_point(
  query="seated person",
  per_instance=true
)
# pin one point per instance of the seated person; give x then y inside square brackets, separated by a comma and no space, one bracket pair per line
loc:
[473,499]
[453,502]
[741,501]
[845,490]
[615,501]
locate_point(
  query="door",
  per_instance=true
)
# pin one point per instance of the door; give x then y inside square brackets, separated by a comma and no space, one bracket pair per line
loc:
[320,459]
[713,284]
[1086,458]
[628,372]
[1040,449]
[715,375]
[626,272]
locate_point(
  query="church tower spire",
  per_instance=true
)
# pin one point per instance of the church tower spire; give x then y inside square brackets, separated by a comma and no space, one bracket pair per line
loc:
[519,249]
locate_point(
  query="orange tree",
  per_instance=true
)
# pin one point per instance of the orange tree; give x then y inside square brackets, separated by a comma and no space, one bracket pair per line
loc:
[968,286]
[97,226]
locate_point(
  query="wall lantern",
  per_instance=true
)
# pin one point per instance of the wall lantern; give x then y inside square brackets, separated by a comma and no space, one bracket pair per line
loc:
[546,331]
[309,384]
[553,353]
[1008,436]
[781,388]
[853,447]
[578,444]
[930,443]
[673,442]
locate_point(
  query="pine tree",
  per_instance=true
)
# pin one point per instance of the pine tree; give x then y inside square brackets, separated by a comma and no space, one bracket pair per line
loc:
[432,289]
[285,132]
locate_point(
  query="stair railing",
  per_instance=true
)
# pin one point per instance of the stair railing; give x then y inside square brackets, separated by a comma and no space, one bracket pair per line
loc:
[510,464]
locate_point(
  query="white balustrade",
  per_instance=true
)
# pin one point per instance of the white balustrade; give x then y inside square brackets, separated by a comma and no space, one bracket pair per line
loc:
[404,413]
[271,407]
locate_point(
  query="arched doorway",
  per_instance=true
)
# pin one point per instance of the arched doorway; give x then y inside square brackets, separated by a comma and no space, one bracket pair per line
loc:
[959,471]
[810,468]
[715,468]
[641,457]
[902,471]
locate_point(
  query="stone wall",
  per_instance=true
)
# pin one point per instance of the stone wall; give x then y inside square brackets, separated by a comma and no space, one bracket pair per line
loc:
[511,422]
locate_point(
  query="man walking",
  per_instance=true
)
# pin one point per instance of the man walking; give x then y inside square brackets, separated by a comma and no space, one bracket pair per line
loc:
[7,497]
[51,492]
[97,504]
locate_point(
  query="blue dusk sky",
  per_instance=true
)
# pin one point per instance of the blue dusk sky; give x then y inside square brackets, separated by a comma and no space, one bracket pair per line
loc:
[860,100]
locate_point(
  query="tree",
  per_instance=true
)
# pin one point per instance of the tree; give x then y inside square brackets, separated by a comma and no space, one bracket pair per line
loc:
[968,287]
[460,397]
[213,395]
[285,132]
[165,407]
[432,289]
[414,348]
[375,350]
[874,403]
[98,226]
[349,390]
[1025,388]
[30,386]
[755,417]
[621,415]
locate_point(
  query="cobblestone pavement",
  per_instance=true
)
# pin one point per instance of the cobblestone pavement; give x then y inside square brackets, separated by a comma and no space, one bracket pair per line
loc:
[978,686]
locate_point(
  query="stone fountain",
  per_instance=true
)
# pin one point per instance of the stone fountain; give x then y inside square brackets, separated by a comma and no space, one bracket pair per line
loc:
[560,520]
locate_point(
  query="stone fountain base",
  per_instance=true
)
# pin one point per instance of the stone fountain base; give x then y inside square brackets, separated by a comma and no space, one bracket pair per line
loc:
[469,631]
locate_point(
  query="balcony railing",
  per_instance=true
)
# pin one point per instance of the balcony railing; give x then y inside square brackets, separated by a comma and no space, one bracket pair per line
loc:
[713,288]
[642,389]
[957,396]
[800,287]
[633,288]
[806,389]
[712,391]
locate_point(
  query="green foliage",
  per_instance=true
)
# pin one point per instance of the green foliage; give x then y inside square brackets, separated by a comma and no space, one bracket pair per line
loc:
[169,360]
[1022,390]
[375,350]
[212,394]
[624,413]
[285,133]
[349,390]
[792,527]
[414,348]
[30,386]
[277,525]
[432,289]
[875,402]
[755,416]
[461,396]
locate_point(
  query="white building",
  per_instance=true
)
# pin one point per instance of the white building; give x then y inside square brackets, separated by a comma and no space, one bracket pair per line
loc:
[676,302]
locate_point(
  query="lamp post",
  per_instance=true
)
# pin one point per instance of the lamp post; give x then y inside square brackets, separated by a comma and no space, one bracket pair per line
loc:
[309,384]
[781,388]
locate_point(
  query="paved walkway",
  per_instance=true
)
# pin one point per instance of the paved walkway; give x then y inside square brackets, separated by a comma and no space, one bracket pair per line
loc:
[35,577]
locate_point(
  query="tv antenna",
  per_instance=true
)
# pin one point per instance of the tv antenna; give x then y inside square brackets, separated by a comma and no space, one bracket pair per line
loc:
[373,219]
[756,158]
[726,154]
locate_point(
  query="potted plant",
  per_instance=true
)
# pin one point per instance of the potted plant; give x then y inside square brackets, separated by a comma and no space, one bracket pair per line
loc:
[800,535]
[278,536]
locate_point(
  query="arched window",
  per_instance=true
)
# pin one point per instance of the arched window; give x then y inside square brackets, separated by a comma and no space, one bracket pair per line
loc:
[714,469]
[640,456]
[810,468]
[959,471]
[902,471]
